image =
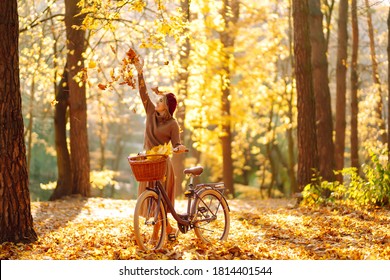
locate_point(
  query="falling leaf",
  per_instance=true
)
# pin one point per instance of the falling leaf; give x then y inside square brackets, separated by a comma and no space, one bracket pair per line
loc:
[102,86]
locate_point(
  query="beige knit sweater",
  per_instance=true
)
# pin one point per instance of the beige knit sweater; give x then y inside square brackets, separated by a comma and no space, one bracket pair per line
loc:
[158,131]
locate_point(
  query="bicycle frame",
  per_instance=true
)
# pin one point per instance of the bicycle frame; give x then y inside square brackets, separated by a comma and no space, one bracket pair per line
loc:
[161,192]
[185,221]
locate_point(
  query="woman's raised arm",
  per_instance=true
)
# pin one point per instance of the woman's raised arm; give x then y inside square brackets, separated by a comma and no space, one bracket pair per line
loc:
[139,63]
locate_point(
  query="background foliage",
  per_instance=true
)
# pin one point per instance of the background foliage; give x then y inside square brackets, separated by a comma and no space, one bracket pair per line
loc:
[263,106]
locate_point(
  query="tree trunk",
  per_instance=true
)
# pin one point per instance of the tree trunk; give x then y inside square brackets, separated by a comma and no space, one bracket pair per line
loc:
[269,148]
[230,14]
[290,97]
[329,5]
[16,222]
[341,76]
[307,134]
[118,150]
[322,93]
[354,88]
[30,123]
[290,133]
[77,100]
[102,133]
[182,81]
[388,88]
[64,181]
[375,77]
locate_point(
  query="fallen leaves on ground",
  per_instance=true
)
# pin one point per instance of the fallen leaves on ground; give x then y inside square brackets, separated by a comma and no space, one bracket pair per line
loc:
[97,228]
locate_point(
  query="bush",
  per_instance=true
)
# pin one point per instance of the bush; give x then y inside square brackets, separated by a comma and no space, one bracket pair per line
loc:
[372,188]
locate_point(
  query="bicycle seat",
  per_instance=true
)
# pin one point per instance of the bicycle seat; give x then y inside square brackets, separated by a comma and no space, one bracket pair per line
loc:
[194,171]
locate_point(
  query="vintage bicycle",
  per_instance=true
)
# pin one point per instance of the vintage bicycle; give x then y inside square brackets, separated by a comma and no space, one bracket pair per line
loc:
[207,208]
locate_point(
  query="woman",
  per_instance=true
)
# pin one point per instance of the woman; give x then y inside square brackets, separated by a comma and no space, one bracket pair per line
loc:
[161,128]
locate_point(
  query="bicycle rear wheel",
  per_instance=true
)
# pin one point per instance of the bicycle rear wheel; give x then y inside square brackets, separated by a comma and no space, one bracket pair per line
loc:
[212,221]
[149,222]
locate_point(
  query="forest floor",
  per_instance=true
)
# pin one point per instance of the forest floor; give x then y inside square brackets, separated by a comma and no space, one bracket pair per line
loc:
[98,228]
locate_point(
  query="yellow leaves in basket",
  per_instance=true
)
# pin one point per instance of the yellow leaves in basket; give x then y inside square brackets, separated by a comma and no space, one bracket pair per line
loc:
[165,149]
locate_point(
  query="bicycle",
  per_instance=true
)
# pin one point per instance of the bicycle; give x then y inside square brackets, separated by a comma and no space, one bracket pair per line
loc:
[207,208]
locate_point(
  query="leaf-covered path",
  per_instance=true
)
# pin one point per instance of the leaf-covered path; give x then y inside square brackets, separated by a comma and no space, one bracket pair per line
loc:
[99,228]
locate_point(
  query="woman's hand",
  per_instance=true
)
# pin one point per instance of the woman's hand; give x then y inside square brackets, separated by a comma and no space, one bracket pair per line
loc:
[138,63]
[180,149]
[136,59]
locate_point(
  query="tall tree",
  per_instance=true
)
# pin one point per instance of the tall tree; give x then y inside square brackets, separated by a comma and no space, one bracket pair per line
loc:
[31,111]
[64,181]
[290,102]
[182,81]
[16,222]
[230,14]
[375,76]
[322,93]
[77,99]
[341,86]
[388,87]
[354,87]
[329,6]
[307,134]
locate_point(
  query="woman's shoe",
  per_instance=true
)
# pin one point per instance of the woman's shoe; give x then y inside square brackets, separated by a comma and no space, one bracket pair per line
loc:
[173,235]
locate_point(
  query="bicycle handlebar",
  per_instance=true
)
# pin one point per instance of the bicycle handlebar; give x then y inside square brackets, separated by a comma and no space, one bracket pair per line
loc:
[176,150]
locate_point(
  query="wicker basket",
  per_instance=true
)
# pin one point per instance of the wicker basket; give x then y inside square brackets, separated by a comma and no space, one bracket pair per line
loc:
[148,168]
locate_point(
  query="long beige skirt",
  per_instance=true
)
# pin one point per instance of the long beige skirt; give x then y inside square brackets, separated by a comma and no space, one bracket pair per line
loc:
[168,184]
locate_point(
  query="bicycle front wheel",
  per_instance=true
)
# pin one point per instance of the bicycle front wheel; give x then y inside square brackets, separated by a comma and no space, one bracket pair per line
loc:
[212,220]
[149,222]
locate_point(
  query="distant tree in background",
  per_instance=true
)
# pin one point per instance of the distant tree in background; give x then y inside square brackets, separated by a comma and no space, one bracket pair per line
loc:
[382,134]
[322,93]
[354,87]
[182,93]
[307,135]
[64,181]
[388,87]
[230,13]
[73,176]
[341,86]
[79,150]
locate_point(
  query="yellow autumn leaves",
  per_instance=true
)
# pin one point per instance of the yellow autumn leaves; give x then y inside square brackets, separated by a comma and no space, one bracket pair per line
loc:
[97,228]
[124,75]
[165,149]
